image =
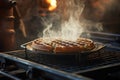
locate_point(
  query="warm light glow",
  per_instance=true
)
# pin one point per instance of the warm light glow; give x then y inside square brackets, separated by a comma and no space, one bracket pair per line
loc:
[53,4]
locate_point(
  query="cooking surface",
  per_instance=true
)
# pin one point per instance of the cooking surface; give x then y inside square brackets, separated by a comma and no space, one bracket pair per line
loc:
[101,59]
[104,64]
[91,63]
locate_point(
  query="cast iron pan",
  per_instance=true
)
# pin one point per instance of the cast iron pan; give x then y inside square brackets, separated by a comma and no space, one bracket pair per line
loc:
[79,58]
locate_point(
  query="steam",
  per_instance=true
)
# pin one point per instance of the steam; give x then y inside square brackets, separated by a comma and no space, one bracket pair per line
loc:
[90,25]
[72,29]
[52,25]
[71,25]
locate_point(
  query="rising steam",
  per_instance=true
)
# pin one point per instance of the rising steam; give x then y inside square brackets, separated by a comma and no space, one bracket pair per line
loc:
[70,27]
[70,24]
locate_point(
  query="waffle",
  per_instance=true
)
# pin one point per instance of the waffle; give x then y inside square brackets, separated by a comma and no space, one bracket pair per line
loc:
[63,46]
[40,45]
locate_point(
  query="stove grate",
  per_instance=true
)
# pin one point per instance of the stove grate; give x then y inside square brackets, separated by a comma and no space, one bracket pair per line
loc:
[96,59]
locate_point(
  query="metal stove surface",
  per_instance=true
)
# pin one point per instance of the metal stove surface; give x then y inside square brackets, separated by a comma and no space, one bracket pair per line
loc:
[107,59]
[31,66]
[102,59]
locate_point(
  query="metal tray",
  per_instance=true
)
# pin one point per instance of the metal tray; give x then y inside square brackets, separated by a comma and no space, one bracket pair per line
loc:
[79,58]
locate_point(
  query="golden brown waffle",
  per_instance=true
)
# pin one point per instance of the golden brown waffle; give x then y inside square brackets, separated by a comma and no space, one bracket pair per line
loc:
[63,46]
[40,45]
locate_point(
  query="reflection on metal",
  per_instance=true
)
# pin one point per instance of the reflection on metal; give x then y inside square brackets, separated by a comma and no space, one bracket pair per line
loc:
[61,74]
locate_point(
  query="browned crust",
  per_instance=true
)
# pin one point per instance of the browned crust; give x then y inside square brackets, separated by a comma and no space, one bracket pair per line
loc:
[63,46]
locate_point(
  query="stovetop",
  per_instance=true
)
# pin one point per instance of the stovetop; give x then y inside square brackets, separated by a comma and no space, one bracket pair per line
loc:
[108,57]
[98,65]
[101,59]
